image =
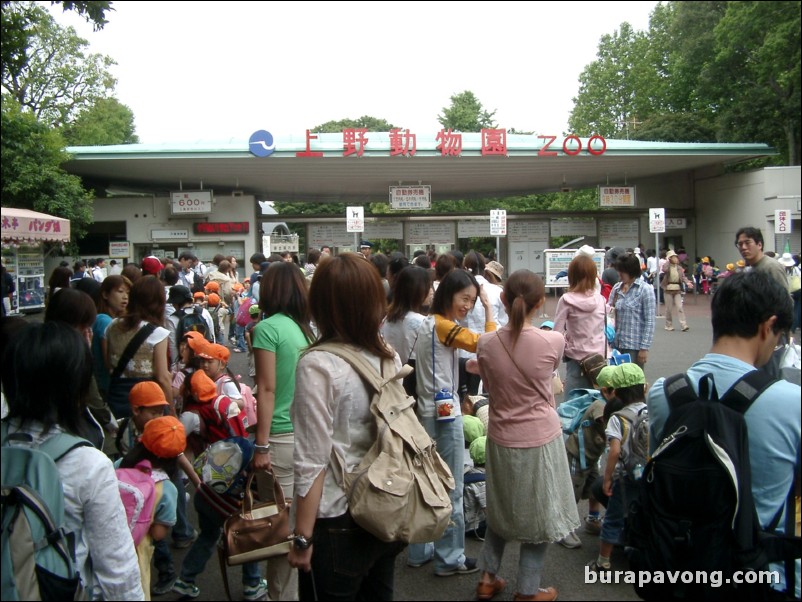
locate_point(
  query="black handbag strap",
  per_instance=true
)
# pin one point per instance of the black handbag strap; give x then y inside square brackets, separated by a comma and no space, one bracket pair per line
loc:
[132,348]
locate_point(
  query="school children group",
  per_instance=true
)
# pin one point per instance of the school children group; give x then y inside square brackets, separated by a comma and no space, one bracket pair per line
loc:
[310,413]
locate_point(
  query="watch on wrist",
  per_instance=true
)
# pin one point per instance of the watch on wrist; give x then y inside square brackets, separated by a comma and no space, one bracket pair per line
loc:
[261,449]
[300,542]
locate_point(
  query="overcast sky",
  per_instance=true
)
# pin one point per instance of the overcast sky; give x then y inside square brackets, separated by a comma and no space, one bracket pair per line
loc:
[218,71]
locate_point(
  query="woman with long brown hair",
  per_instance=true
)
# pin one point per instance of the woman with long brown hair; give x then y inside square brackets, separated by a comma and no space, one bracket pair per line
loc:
[278,340]
[330,411]
[145,309]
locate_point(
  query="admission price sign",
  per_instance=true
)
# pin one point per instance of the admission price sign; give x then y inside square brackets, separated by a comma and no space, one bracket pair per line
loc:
[498,222]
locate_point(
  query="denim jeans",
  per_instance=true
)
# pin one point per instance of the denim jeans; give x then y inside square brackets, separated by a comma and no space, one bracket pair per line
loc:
[449,550]
[574,379]
[348,563]
[211,527]
[239,334]
[625,491]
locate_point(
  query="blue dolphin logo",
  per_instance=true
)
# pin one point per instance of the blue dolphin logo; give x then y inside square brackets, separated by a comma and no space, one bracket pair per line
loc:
[261,143]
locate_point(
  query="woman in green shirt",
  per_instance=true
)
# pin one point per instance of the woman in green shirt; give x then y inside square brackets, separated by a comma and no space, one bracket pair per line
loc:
[278,339]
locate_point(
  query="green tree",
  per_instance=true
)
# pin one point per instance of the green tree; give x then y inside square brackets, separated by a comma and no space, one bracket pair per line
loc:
[53,77]
[372,124]
[466,114]
[17,20]
[615,90]
[31,155]
[754,78]
[108,121]
[676,127]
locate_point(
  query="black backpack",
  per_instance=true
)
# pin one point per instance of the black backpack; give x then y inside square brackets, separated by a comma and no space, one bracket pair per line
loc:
[695,510]
[191,319]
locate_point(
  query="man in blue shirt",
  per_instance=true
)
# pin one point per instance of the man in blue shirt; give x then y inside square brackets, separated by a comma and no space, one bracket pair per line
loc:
[750,312]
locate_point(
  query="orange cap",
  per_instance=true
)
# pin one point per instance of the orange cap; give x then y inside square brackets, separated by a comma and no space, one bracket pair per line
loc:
[196,341]
[202,386]
[213,286]
[199,295]
[213,299]
[164,437]
[214,351]
[146,394]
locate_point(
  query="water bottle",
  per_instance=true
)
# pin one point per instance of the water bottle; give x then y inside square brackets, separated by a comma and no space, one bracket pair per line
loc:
[444,405]
[637,471]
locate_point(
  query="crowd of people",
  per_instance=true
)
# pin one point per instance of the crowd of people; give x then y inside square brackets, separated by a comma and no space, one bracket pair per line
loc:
[137,365]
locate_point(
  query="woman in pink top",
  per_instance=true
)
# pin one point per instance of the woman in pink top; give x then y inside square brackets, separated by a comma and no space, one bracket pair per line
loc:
[580,317]
[529,494]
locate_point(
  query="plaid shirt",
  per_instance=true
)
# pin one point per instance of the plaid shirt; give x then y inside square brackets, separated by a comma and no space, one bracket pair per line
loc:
[634,315]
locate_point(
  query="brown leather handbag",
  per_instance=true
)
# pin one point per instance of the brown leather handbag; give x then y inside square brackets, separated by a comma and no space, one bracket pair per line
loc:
[256,531]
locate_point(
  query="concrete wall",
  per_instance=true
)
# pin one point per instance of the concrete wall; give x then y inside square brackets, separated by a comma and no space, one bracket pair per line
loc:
[729,202]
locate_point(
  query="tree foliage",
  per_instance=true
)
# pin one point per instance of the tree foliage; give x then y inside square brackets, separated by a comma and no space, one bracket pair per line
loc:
[372,124]
[54,77]
[466,114]
[31,155]
[108,121]
[705,71]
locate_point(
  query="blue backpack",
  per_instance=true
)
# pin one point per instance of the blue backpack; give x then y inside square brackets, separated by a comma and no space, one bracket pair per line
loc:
[37,552]
[571,411]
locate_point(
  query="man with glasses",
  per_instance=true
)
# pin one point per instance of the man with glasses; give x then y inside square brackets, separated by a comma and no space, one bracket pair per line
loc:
[749,242]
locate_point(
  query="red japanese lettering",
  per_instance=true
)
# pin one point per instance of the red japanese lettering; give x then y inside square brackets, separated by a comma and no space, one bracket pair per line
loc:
[403,144]
[450,143]
[308,152]
[494,142]
[354,141]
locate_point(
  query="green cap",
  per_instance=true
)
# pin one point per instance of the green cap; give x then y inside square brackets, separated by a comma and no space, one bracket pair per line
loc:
[477,449]
[617,377]
[472,428]
[253,309]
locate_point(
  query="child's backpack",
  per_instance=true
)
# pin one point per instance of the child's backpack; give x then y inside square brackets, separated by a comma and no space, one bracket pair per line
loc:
[214,311]
[243,313]
[138,492]
[399,491]
[572,411]
[37,551]
[634,440]
[190,319]
[695,510]
[223,471]
[220,418]
[248,398]
[586,442]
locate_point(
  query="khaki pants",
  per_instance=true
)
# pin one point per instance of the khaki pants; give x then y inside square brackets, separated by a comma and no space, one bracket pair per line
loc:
[674,302]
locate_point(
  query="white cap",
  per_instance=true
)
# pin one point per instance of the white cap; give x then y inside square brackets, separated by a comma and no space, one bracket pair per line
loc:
[585,250]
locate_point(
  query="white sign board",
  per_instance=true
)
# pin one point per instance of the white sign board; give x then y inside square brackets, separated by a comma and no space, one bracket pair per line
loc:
[616,196]
[333,235]
[573,227]
[557,261]
[676,223]
[657,221]
[498,222]
[431,233]
[411,197]
[473,228]
[191,201]
[524,231]
[169,234]
[120,249]
[355,219]
[782,221]
[618,233]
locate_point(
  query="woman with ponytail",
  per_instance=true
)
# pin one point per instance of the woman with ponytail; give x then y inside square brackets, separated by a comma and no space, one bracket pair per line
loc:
[530,498]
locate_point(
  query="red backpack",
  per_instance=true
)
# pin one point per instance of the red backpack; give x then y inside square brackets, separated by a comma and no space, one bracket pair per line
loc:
[248,398]
[216,420]
[243,313]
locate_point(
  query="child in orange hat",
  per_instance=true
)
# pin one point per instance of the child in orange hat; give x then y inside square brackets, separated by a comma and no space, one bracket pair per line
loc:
[214,361]
[161,444]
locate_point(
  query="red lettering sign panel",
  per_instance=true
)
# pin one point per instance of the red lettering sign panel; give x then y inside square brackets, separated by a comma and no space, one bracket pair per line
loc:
[222,227]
